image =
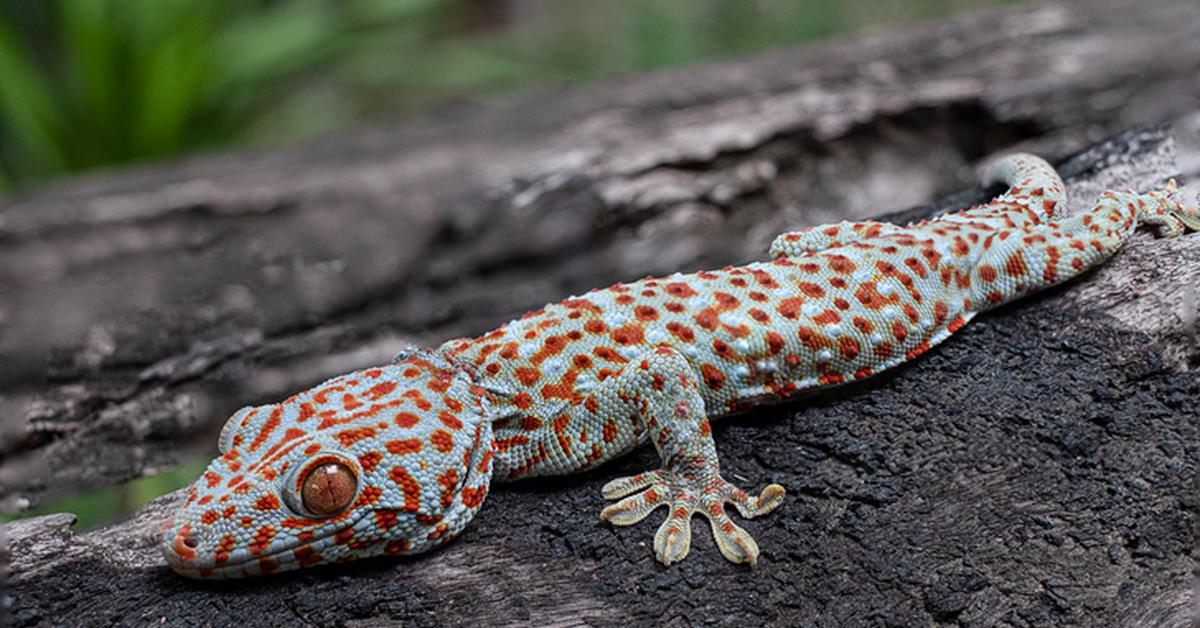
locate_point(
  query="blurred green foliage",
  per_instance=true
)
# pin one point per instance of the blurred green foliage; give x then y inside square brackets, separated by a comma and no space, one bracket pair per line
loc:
[85,83]
[108,504]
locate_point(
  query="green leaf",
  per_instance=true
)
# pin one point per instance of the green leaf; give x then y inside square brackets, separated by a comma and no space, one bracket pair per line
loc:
[30,118]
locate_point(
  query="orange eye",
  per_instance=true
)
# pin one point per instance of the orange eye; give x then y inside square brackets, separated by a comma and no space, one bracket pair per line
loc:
[328,488]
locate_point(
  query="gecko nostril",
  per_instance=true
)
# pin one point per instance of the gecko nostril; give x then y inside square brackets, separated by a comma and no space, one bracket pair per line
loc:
[191,541]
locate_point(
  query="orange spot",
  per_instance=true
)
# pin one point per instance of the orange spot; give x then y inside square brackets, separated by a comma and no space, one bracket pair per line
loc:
[267,502]
[707,319]
[680,290]
[410,488]
[406,419]
[1015,265]
[775,342]
[828,317]
[442,441]
[350,402]
[272,422]
[450,421]
[811,339]
[473,497]
[849,347]
[369,461]
[404,446]
[379,390]
[527,375]
[713,377]
[349,437]
[551,346]
[841,264]
[680,331]
[940,312]
[812,289]
[630,334]
[790,308]
[448,481]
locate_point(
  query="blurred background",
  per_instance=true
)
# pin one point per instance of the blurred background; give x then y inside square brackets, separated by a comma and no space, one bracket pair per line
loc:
[91,83]
[86,84]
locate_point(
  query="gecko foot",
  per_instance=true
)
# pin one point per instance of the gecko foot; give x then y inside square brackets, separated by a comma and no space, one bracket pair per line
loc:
[694,490]
[1172,217]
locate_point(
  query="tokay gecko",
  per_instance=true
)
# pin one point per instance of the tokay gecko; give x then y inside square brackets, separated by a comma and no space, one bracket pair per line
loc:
[398,459]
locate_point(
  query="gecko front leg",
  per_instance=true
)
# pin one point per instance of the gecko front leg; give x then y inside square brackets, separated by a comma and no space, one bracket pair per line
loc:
[659,391]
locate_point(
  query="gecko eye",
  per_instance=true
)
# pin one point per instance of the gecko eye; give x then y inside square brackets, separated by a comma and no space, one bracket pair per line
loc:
[328,487]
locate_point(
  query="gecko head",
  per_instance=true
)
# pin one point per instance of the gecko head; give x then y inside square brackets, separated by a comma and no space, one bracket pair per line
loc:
[388,460]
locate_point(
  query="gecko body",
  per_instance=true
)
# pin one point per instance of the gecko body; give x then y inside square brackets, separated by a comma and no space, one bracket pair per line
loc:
[398,459]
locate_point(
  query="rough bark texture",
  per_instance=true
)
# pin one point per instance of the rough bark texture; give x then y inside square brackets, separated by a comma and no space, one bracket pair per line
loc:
[1036,469]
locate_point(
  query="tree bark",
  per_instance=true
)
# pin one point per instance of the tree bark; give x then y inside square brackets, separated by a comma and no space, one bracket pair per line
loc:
[1038,468]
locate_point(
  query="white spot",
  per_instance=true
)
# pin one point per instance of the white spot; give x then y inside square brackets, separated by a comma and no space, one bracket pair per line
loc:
[554,366]
[810,309]
[730,319]
[886,289]
[750,391]
[614,319]
[526,349]
[696,302]
[690,351]
[861,274]
[926,323]
[741,371]
[629,352]
[890,312]
[824,355]
[655,335]
[741,345]
[876,338]
[781,291]
[767,366]
[834,330]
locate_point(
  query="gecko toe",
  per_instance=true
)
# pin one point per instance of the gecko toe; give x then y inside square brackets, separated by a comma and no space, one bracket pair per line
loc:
[634,508]
[621,487]
[674,537]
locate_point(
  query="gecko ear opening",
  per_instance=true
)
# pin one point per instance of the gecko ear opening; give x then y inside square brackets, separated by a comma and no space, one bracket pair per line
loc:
[231,429]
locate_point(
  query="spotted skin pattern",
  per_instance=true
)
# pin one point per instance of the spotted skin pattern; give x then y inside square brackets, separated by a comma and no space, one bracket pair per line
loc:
[577,383]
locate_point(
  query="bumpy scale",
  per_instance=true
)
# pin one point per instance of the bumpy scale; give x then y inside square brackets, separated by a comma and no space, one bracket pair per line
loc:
[398,459]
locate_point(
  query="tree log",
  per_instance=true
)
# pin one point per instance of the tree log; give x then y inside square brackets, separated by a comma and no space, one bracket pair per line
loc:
[1038,468]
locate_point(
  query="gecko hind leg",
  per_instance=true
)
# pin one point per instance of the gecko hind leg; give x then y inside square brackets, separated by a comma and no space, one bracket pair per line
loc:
[661,391]
[1170,216]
